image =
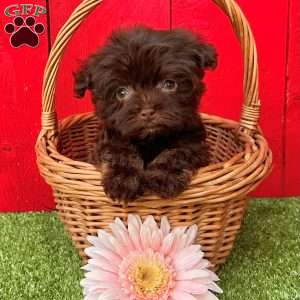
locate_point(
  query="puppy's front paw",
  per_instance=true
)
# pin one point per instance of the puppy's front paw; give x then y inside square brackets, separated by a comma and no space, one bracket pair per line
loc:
[167,184]
[122,186]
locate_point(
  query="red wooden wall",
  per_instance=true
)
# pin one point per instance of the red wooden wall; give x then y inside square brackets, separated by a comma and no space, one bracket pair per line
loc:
[277,34]
[291,159]
[20,88]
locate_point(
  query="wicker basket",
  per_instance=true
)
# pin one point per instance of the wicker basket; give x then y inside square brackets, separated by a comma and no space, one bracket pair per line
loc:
[217,196]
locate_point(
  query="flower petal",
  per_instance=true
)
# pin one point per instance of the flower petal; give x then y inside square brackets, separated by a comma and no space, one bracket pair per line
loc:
[189,261]
[215,288]
[191,274]
[117,232]
[150,222]
[179,295]
[135,221]
[112,294]
[104,264]
[203,264]
[120,248]
[91,286]
[109,255]
[165,226]
[102,232]
[191,234]
[100,242]
[145,235]
[104,285]
[105,239]
[134,235]
[121,235]
[213,275]
[192,287]
[179,231]
[90,268]
[167,243]
[91,252]
[86,282]
[207,296]
[178,245]
[203,280]
[92,296]
[119,222]
[95,241]
[156,240]
[101,276]
[187,250]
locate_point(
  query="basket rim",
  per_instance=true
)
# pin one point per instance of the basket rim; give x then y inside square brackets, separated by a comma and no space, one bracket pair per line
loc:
[244,170]
[232,124]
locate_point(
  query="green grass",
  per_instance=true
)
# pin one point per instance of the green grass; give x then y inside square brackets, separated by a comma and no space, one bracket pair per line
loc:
[37,260]
[265,264]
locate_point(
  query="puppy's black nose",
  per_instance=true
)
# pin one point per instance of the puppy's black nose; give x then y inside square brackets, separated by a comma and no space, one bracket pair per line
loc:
[147,113]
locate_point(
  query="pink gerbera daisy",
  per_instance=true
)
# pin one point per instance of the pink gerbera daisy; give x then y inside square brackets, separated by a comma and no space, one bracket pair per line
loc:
[146,262]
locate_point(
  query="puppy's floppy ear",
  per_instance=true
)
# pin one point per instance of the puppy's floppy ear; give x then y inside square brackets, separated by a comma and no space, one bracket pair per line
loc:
[82,80]
[205,55]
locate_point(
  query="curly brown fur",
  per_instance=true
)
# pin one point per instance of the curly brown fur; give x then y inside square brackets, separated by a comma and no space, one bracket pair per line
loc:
[146,85]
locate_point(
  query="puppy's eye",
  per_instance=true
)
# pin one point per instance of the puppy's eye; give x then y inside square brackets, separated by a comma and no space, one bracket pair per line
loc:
[122,93]
[169,85]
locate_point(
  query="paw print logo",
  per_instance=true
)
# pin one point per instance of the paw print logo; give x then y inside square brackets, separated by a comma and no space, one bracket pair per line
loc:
[24,32]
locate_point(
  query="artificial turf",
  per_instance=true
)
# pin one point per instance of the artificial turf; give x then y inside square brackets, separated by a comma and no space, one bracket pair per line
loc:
[37,260]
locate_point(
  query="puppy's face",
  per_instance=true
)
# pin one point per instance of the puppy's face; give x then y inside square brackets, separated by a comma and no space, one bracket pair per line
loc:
[146,83]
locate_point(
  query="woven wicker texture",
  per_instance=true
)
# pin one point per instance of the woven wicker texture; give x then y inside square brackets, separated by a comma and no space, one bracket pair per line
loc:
[217,196]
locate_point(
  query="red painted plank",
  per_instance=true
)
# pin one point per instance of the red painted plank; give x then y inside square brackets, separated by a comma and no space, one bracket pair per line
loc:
[224,86]
[20,89]
[109,15]
[292,125]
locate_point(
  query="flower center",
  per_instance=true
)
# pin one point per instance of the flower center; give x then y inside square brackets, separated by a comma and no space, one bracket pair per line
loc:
[149,277]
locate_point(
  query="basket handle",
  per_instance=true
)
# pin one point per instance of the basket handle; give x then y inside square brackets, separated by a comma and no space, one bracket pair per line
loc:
[250,111]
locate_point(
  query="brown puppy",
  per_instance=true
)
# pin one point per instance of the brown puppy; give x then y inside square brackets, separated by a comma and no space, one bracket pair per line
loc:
[146,86]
